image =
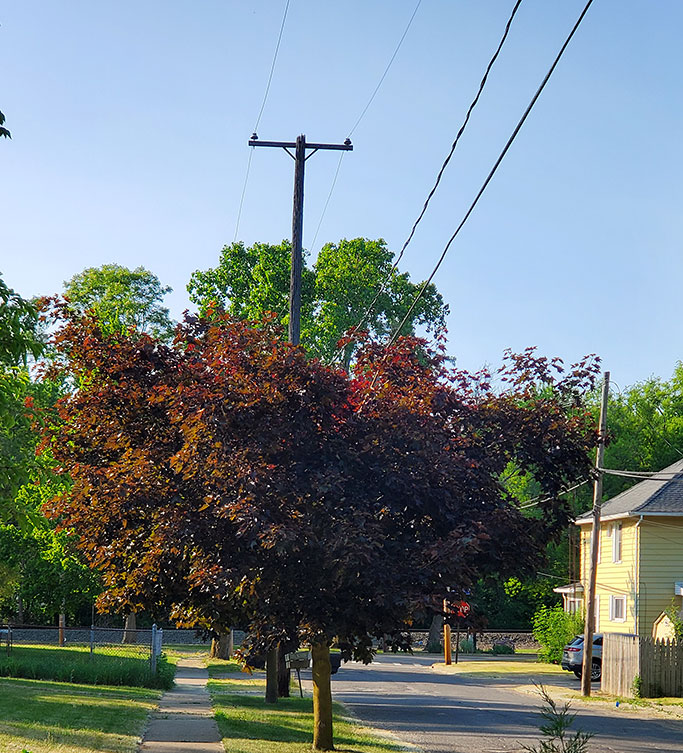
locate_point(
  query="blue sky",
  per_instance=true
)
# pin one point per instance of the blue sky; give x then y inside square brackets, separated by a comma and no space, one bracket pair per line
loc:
[130,122]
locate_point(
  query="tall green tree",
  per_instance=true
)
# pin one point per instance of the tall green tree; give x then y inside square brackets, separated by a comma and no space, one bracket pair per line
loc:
[121,299]
[337,291]
[19,342]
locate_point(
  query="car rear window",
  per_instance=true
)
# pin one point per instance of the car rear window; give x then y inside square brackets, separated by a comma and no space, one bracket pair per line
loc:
[577,641]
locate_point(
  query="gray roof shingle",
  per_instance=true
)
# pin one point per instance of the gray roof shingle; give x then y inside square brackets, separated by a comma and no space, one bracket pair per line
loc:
[649,497]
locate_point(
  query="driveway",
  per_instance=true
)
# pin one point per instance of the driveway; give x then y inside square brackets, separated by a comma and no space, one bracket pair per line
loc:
[445,713]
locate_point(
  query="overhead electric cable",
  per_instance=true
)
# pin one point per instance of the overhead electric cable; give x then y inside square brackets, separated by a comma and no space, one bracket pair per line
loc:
[244,191]
[537,500]
[362,115]
[258,119]
[493,171]
[272,67]
[386,70]
[327,201]
[459,134]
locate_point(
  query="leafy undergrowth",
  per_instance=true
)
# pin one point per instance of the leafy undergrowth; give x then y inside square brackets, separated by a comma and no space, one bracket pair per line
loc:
[248,725]
[116,666]
[54,717]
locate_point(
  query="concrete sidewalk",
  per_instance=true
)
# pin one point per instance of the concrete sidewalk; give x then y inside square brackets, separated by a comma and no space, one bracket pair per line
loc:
[184,720]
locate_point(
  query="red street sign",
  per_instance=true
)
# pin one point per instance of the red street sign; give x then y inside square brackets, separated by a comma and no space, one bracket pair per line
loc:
[459,608]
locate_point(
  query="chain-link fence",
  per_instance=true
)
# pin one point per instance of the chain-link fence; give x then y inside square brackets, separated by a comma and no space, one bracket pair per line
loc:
[95,641]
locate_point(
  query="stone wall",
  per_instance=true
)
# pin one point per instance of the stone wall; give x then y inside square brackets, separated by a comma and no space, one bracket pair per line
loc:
[518,639]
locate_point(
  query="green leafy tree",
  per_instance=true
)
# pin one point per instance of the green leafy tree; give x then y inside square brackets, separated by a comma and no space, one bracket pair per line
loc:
[336,292]
[44,574]
[121,299]
[19,342]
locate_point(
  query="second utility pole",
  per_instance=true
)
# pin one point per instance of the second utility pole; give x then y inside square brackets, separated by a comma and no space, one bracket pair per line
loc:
[590,587]
[300,158]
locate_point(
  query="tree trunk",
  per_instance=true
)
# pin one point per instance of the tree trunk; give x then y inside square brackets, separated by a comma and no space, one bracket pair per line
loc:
[434,637]
[283,674]
[130,629]
[271,675]
[322,697]
[20,610]
[222,647]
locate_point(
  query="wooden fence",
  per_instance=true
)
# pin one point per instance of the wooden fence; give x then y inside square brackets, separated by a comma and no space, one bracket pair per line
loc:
[632,664]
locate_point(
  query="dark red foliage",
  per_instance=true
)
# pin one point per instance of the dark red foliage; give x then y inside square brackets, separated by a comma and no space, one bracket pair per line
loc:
[235,479]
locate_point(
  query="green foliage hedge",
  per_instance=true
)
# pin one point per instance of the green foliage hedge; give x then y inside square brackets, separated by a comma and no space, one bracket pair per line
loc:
[553,629]
[76,665]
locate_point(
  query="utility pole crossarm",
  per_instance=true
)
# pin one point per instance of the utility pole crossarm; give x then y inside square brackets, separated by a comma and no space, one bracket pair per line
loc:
[347,146]
[299,146]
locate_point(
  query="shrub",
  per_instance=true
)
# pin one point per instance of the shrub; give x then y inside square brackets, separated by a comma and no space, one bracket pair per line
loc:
[467,646]
[434,647]
[553,629]
[502,648]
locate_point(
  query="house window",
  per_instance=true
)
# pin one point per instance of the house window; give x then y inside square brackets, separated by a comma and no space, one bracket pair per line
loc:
[616,542]
[574,605]
[617,608]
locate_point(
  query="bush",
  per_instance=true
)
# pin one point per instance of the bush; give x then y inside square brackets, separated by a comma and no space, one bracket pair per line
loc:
[553,629]
[434,647]
[467,646]
[502,648]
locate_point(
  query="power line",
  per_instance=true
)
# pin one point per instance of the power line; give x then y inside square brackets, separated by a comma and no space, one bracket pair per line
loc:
[272,67]
[362,115]
[258,120]
[459,134]
[244,191]
[538,500]
[386,70]
[492,172]
[327,202]
[643,475]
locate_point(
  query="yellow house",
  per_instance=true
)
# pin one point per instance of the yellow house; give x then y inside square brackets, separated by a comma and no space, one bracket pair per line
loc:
[640,562]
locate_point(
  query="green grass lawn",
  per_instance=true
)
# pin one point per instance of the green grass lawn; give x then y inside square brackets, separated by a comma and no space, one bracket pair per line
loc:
[55,717]
[500,667]
[119,665]
[248,725]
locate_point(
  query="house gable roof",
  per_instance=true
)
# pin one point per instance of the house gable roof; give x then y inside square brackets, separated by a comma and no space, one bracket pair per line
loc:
[649,497]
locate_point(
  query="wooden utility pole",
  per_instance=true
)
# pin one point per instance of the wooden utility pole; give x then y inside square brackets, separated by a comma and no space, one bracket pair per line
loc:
[595,543]
[299,156]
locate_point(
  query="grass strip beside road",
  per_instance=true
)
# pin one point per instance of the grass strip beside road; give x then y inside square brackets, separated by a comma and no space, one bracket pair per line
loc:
[55,717]
[118,665]
[499,668]
[249,725]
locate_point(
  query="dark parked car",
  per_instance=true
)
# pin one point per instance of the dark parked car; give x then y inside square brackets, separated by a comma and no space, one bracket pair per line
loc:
[572,657]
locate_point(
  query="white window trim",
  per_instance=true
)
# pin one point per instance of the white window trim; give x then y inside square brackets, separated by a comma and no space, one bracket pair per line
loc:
[617,543]
[612,600]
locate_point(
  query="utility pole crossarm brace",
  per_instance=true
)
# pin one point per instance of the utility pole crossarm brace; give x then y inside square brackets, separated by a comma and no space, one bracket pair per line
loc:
[300,146]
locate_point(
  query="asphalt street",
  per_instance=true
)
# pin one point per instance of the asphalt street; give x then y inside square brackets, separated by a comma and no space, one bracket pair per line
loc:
[459,714]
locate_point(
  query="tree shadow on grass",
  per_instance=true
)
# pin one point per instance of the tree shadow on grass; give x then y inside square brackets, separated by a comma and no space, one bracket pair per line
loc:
[289,721]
